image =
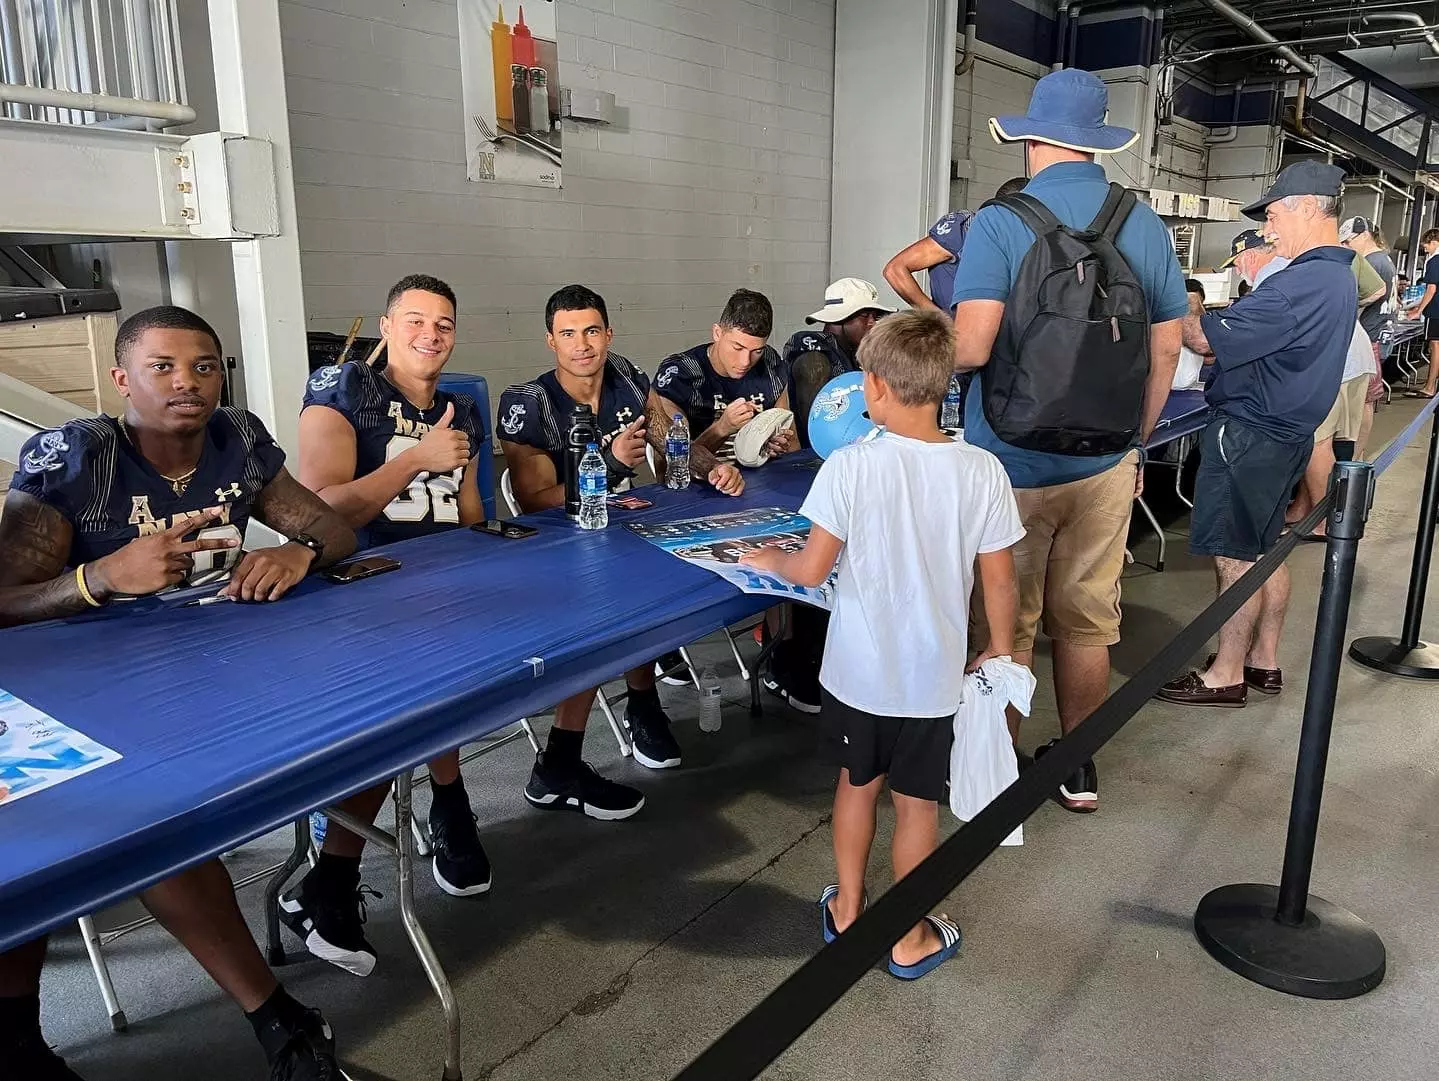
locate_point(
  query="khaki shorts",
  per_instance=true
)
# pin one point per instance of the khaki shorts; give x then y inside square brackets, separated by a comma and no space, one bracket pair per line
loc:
[1345,419]
[1070,560]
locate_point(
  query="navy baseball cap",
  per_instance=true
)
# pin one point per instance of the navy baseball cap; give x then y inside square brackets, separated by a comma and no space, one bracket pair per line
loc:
[1301,178]
[1245,241]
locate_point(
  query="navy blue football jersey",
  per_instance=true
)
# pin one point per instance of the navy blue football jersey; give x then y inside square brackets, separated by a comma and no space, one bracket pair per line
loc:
[690,381]
[91,473]
[840,362]
[537,413]
[387,424]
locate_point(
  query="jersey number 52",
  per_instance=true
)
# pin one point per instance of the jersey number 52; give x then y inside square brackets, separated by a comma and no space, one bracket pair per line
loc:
[429,494]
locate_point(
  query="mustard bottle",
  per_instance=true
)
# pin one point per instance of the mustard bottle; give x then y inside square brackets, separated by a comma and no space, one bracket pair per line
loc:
[500,57]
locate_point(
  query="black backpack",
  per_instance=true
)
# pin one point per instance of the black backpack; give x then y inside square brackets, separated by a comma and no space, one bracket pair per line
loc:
[1069,365]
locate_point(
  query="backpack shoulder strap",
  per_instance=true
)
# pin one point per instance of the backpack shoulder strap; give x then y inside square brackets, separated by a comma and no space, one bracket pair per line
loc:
[1114,211]
[1029,210]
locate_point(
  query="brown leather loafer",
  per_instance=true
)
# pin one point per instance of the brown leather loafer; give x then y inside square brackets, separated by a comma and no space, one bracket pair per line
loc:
[1263,680]
[1190,690]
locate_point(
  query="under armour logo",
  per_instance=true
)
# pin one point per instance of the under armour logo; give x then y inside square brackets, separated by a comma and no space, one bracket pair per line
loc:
[232,492]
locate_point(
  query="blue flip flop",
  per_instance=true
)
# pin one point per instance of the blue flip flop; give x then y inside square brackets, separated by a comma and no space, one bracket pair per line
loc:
[826,918]
[949,937]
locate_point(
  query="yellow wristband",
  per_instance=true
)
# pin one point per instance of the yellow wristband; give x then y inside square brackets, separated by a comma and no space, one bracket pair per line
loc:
[84,589]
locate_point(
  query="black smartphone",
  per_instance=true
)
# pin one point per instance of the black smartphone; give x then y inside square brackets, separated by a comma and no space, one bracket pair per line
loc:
[508,530]
[356,569]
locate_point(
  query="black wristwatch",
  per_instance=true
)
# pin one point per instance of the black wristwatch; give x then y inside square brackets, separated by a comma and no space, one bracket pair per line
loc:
[313,543]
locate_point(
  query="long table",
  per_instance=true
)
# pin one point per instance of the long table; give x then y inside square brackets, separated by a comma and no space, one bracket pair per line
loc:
[234,720]
[1184,416]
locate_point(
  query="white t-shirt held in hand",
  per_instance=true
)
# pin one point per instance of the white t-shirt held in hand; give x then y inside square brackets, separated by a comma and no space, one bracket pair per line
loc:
[913,516]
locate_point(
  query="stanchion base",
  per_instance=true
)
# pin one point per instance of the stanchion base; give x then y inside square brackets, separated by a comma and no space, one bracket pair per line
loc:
[1333,954]
[1388,655]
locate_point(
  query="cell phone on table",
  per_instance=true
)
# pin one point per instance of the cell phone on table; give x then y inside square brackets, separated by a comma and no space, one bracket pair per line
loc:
[355,569]
[630,502]
[508,530]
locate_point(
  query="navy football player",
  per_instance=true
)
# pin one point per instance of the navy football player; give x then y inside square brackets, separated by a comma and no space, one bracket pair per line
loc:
[532,420]
[110,507]
[720,385]
[814,357]
[397,458]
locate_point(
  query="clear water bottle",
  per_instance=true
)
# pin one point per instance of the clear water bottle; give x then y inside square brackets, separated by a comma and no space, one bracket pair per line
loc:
[319,826]
[594,490]
[951,413]
[677,454]
[710,718]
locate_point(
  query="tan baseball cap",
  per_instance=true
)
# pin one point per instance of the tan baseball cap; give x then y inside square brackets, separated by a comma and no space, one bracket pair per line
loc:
[846,298]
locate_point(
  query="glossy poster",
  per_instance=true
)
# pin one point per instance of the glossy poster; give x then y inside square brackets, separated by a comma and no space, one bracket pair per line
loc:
[38,752]
[718,542]
[509,71]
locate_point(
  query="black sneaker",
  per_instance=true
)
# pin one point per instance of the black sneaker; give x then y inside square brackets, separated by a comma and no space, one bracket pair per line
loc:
[460,865]
[671,669]
[331,927]
[796,681]
[29,1058]
[304,1052]
[1080,790]
[653,743]
[580,788]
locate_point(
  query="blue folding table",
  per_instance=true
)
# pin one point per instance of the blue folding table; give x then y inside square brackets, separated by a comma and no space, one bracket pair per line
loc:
[235,719]
[1184,416]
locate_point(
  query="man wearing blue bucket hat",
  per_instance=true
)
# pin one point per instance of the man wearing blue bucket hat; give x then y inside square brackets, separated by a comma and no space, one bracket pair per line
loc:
[1075,508]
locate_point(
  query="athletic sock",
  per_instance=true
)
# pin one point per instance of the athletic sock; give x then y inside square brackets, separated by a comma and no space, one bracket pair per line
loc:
[449,800]
[340,874]
[648,693]
[274,1019]
[563,747]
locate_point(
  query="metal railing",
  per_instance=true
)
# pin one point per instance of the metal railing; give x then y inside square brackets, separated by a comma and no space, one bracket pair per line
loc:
[115,63]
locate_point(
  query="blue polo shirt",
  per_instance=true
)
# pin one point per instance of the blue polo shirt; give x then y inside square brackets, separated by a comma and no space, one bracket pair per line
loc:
[996,244]
[1279,350]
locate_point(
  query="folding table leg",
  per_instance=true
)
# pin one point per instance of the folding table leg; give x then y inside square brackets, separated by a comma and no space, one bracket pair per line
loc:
[102,973]
[275,949]
[524,722]
[423,950]
[1153,524]
[690,666]
[733,648]
[615,726]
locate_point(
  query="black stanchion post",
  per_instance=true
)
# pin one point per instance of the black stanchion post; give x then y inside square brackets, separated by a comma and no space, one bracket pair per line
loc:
[1407,655]
[1283,937]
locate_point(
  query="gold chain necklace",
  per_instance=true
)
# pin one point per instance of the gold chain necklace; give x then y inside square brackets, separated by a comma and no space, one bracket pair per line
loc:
[177,484]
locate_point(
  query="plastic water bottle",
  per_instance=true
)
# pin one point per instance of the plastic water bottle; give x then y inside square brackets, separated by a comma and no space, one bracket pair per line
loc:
[951,413]
[710,718]
[677,454]
[319,826]
[594,490]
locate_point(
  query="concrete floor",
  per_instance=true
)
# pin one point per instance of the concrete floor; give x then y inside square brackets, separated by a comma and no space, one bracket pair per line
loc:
[611,951]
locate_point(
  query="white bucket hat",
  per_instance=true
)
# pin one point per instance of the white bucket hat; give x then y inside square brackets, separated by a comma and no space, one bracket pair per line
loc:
[846,298]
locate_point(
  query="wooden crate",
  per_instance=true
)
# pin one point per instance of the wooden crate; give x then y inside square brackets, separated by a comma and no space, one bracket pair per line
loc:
[69,356]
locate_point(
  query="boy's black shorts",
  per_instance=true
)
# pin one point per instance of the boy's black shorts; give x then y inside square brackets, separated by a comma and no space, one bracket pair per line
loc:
[913,752]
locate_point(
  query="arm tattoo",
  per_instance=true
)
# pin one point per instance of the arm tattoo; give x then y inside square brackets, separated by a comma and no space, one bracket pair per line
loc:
[657,429]
[34,547]
[289,508]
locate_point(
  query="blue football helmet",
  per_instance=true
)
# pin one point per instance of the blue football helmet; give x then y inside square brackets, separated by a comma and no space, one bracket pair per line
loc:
[838,416]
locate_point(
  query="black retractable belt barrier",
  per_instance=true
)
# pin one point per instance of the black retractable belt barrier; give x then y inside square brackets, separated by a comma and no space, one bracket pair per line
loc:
[1283,937]
[763,1034]
[1407,655]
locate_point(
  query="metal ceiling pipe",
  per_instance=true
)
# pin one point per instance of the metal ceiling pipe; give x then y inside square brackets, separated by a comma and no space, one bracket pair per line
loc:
[1410,19]
[1258,33]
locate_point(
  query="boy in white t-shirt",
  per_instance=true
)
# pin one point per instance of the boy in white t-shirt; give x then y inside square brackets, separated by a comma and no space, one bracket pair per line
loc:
[908,515]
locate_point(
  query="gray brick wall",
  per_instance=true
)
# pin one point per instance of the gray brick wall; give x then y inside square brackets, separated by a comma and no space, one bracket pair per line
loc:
[717,175]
